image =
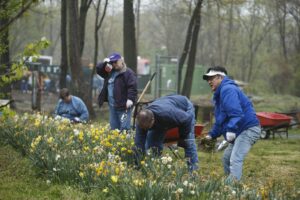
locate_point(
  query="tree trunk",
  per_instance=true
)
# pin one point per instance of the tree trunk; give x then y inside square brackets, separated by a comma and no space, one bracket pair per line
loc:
[138,24]
[80,85]
[186,49]
[4,55]
[220,46]
[130,52]
[64,50]
[229,34]
[281,13]
[187,86]
[84,6]
[98,24]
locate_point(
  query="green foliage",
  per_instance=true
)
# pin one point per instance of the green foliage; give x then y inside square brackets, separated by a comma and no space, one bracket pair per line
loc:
[7,113]
[17,69]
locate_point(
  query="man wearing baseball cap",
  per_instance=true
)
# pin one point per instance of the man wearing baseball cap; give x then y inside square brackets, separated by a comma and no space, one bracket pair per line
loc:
[235,119]
[119,90]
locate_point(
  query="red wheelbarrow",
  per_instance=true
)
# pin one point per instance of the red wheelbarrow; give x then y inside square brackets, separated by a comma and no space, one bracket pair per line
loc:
[172,135]
[272,123]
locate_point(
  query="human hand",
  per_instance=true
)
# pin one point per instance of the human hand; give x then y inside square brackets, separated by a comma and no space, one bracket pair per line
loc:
[129,103]
[76,119]
[230,136]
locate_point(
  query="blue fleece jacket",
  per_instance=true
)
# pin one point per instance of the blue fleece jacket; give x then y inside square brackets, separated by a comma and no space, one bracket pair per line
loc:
[172,111]
[234,111]
[76,108]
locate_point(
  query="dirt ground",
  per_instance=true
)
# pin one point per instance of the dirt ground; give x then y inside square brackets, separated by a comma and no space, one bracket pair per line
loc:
[23,102]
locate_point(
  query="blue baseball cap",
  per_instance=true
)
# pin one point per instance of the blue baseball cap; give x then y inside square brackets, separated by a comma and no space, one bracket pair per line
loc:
[114,57]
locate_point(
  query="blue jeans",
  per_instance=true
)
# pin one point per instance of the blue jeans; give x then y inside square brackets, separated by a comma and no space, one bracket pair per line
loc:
[236,152]
[24,86]
[119,119]
[154,139]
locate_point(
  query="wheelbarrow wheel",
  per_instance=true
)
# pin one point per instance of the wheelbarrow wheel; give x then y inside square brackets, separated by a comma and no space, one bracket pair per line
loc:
[264,134]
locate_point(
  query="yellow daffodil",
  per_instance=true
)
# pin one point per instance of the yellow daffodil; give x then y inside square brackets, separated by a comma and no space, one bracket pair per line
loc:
[81,174]
[114,179]
[123,149]
[37,122]
[105,190]
[50,140]
[86,148]
[138,182]
[117,170]
[80,136]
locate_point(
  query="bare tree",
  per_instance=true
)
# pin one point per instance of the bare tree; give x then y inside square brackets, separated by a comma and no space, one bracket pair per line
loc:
[281,14]
[229,34]
[129,41]
[75,46]
[64,52]
[98,24]
[186,49]
[256,29]
[137,11]
[294,10]
[190,50]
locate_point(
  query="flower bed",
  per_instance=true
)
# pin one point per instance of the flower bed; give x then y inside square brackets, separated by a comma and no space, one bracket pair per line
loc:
[92,157]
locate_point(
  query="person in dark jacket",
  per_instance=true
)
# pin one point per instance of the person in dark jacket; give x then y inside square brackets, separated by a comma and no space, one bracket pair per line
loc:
[235,119]
[161,115]
[119,90]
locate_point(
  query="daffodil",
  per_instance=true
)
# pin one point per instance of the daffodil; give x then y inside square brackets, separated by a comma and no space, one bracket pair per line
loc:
[114,179]
[123,149]
[50,140]
[81,174]
[80,136]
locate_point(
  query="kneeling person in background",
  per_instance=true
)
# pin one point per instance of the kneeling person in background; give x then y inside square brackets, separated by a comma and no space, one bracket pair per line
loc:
[71,107]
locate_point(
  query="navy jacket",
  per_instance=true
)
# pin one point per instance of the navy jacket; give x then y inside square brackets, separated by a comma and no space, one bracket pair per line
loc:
[125,86]
[172,111]
[234,111]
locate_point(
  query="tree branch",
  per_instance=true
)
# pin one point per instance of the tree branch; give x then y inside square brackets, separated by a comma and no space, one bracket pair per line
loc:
[12,19]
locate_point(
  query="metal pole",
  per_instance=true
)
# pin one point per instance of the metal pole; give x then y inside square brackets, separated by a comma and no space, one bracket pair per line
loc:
[158,74]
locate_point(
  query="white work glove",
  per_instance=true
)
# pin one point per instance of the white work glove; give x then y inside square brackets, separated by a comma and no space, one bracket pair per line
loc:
[208,137]
[230,136]
[106,60]
[76,119]
[129,103]
[108,66]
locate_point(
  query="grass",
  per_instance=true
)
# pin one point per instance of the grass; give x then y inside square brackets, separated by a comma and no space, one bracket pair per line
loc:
[270,160]
[276,103]
[18,180]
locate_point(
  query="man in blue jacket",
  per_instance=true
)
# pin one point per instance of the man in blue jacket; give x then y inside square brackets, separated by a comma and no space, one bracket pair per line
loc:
[235,119]
[71,107]
[119,90]
[161,115]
